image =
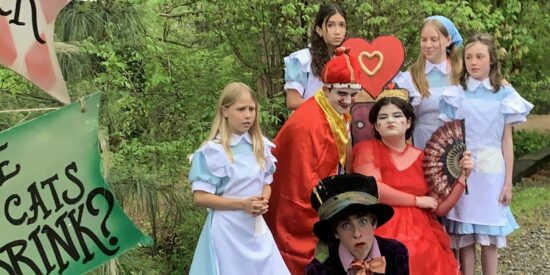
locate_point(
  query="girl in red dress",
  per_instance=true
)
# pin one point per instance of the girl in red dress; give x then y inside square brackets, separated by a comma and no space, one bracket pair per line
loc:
[397,167]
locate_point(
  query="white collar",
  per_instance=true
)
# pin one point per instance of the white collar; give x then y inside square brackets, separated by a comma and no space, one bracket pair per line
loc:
[473,84]
[442,67]
[236,139]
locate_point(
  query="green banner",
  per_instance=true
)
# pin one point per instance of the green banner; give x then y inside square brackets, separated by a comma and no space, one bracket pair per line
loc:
[58,214]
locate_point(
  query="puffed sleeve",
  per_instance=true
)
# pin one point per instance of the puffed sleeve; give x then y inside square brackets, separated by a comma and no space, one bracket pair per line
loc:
[270,161]
[366,159]
[209,165]
[515,108]
[449,103]
[297,68]
[404,80]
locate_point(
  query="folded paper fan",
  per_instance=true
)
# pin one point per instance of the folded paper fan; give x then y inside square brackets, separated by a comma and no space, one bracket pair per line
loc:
[442,156]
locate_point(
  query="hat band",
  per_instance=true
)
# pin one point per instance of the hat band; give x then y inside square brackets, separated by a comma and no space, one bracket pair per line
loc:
[356,86]
[339,202]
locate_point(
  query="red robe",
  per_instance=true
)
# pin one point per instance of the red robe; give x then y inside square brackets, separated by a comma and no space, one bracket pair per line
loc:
[306,152]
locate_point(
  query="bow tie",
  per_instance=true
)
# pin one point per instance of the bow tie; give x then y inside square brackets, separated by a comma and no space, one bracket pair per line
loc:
[362,267]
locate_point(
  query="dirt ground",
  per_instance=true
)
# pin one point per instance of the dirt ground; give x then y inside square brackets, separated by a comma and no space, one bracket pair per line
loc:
[536,122]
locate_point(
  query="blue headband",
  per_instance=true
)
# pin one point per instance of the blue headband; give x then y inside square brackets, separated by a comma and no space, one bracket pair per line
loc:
[451,29]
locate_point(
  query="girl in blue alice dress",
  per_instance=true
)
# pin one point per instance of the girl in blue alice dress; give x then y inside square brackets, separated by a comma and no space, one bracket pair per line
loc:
[437,67]
[489,109]
[230,175]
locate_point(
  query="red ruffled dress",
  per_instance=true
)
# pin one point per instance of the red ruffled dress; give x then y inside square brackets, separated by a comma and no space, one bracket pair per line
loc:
[400,178]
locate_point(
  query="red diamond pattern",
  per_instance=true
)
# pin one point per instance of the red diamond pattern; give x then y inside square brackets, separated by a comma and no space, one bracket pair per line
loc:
[40,66]
[8,54]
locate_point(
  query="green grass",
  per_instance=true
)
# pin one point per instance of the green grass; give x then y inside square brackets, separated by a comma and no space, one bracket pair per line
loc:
[527,199]
[527,202]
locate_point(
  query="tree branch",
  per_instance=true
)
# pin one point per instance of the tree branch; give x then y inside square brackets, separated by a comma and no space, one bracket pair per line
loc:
[181,14]
[238,54]
[175,43]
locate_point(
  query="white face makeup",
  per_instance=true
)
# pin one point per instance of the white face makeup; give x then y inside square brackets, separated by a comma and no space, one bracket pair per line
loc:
[392,122]
[341,99]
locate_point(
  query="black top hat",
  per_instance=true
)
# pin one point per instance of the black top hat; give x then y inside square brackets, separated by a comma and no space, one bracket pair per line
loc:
[339,196]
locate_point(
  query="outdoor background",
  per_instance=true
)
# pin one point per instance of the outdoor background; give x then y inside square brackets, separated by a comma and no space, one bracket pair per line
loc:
[161,64]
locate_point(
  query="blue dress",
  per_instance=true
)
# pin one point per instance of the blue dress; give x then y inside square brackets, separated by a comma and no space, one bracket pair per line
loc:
[234,242]
[299,76]
[426,109]
[479,217]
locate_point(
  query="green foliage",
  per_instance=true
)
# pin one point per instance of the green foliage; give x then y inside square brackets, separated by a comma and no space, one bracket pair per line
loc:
[526,142]
[161,65]
[538,93]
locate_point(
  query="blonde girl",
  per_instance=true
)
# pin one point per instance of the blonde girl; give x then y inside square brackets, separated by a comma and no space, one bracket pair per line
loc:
[230,175]
[437,67]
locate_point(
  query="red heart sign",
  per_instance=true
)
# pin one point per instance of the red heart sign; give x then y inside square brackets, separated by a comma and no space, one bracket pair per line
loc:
[380,60]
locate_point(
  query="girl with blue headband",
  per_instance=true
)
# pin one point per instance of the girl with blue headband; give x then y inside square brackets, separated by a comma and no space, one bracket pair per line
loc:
[437,67]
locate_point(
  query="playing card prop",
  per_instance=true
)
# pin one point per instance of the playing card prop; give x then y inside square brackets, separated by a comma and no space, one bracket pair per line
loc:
[442,157]
[380,61]
[58,214]
[361,129]
[26,43]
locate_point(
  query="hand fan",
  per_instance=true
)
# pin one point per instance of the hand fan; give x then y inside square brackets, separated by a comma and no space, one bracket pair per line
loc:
[442,157]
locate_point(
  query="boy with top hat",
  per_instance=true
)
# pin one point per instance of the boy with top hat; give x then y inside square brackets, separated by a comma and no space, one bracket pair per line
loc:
[349,211]
[312,144]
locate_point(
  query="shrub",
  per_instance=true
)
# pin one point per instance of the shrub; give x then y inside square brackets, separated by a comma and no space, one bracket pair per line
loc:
[526,142]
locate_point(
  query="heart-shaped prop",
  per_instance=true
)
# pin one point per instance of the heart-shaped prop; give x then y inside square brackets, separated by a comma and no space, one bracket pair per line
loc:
[380,60]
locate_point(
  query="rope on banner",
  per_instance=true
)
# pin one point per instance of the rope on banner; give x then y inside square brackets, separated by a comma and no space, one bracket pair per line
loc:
[29,110]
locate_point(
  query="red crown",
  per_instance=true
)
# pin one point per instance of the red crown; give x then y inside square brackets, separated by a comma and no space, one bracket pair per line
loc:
[341,71]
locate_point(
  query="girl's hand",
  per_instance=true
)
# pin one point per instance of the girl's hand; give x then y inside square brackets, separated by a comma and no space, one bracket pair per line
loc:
[255,205]
[426,202]
[467,164]
[506,194]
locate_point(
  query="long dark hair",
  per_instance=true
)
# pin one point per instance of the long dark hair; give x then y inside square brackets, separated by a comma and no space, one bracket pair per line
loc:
[406,107]
[494,73]
[319,51]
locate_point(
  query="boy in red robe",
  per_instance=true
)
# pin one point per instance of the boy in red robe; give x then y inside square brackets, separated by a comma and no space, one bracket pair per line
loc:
[311,146]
